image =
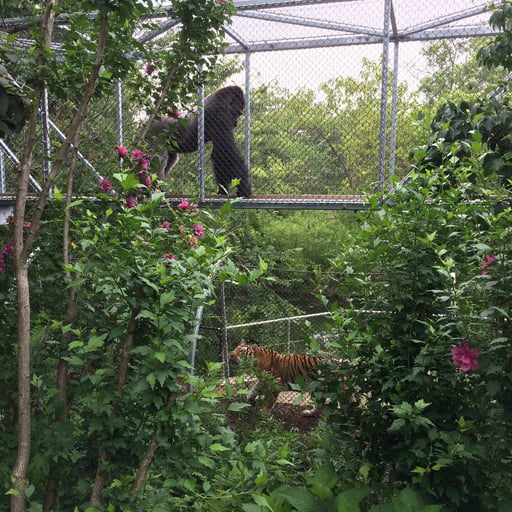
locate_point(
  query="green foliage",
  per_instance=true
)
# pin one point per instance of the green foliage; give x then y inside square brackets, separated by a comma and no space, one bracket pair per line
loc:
[455,72]
[499,51]
[429,270]
[321,494]
[459,132]
[332,133]
[140,272]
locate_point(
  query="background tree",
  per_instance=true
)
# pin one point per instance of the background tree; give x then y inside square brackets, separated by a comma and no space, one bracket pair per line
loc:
[95,53]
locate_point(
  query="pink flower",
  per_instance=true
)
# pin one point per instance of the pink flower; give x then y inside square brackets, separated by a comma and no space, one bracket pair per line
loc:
[122,151]
[488,261]
[173,113]
[192,241]
[131,201]
[168,256]
[144,163]
[149,68]
[465,357]
[10,219]
[28,225]
[145,178]
[105,185]
[138,155]
[184,206]
[166,224]
[198,230]
[8,248]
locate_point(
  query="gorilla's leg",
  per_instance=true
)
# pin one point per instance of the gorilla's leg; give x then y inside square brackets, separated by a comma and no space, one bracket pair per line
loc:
[228,165]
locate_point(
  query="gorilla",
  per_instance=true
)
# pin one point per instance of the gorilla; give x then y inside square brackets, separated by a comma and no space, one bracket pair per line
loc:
[170,136]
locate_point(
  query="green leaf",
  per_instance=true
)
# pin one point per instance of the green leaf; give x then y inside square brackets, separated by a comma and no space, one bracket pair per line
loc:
[252,446]
[206,461]
[217,447]
[348,501]
[323,481]
[261,501]
[238,406]
[151,380]
[397,425]
[261,479]
[95,342]
[251,507]
[326,475]
[145,313]
[161,356]
[167,298]
[301,499]
[29,490]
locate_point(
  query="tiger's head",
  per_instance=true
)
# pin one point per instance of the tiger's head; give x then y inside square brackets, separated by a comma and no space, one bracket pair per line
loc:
[242,351]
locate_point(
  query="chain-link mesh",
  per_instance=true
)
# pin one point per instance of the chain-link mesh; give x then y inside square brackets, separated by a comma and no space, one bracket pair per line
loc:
[280,312]
[331,86]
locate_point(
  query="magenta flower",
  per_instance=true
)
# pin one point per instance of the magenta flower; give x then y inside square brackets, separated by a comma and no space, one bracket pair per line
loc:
[149,68]
[138,155]
[131,201]
[28,225]
[173,113]
[122,151]
[184,206]
[144,177]
[465,357]
[105,185]
[8,248]
[198,230]
[487,262]
[166,224]
[144,163]
[192,241]
[168,256]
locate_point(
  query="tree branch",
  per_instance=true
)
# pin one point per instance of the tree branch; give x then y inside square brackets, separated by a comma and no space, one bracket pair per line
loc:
[73,130]
[19,471]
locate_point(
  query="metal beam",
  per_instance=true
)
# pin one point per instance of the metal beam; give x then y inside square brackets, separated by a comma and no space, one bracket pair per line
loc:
[445,20]
[310,23]
[267,4]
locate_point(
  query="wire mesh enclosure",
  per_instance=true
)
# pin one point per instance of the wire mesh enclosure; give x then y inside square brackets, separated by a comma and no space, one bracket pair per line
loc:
[327,89]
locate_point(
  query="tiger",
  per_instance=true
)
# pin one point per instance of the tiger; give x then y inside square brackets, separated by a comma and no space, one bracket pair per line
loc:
[286,368]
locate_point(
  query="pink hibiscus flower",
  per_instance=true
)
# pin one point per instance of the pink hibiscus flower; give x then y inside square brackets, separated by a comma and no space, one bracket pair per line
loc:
[465,357]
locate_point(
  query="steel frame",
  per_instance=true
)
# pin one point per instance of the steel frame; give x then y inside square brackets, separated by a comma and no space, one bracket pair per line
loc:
[341,34]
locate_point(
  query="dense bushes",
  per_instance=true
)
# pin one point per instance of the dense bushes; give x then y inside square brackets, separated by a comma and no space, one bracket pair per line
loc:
[429,331]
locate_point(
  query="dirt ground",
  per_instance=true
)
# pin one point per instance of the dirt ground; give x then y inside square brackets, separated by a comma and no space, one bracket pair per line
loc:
[293,417]
[295,411]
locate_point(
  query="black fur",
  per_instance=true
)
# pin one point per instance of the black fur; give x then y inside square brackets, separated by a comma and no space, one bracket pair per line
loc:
[221,112]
